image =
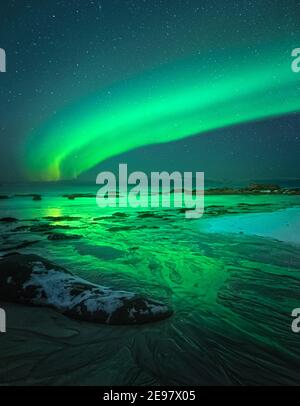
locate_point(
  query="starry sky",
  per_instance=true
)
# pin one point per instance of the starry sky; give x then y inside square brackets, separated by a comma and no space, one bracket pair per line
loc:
[158,84]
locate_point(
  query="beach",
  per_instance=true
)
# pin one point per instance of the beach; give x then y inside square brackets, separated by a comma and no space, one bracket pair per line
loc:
[232,289]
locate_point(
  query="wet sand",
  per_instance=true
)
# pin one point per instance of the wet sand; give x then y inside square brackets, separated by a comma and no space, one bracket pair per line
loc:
[232,296]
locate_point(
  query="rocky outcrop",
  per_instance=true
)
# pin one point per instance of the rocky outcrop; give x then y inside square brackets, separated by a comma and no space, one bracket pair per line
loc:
[32,280]
[37,198]
[62,237]
[62,218]
[8,220]
[253,189]
[7,246]
[34,196]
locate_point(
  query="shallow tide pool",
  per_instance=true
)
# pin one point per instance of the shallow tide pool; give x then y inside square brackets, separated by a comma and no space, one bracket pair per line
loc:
[232,293]
[282,225]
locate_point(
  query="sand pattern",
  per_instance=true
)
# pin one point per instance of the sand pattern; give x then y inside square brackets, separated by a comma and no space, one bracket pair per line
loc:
[232,296]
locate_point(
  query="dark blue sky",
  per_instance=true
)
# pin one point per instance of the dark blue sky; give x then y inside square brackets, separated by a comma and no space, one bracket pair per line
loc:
[61,51]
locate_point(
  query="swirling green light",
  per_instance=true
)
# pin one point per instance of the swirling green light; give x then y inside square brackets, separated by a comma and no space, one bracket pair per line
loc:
[173,102]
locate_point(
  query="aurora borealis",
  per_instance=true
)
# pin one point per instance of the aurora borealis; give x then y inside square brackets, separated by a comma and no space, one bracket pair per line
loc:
[153,73]
[150,172]
[172,103]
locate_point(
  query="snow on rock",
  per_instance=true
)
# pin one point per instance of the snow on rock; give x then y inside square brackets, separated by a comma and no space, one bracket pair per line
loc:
[30,279]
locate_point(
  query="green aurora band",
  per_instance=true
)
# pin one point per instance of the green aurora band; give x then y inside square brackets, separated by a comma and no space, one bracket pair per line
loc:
[185,98]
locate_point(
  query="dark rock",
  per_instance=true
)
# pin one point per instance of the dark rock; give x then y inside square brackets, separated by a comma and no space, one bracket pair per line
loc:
[123,228]
[3,197]
[33,195]
[44,228]
[21,228]
[40,228]
[73,196]
[149,214]
[23,244]
[101,218]
[183,210]
[8,220]
[120,214]
[32,280]
[295,191]
[133,249]
[114,217]
[78,195]
[62,218]
[61,236]
[37,198]
[253,188]
[48,228]
[258,187]
[9,254]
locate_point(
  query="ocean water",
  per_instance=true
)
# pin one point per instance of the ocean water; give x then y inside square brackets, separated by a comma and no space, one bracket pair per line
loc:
[282,225]
[232,287]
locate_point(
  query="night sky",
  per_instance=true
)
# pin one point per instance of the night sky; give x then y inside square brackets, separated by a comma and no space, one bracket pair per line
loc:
[158,84]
